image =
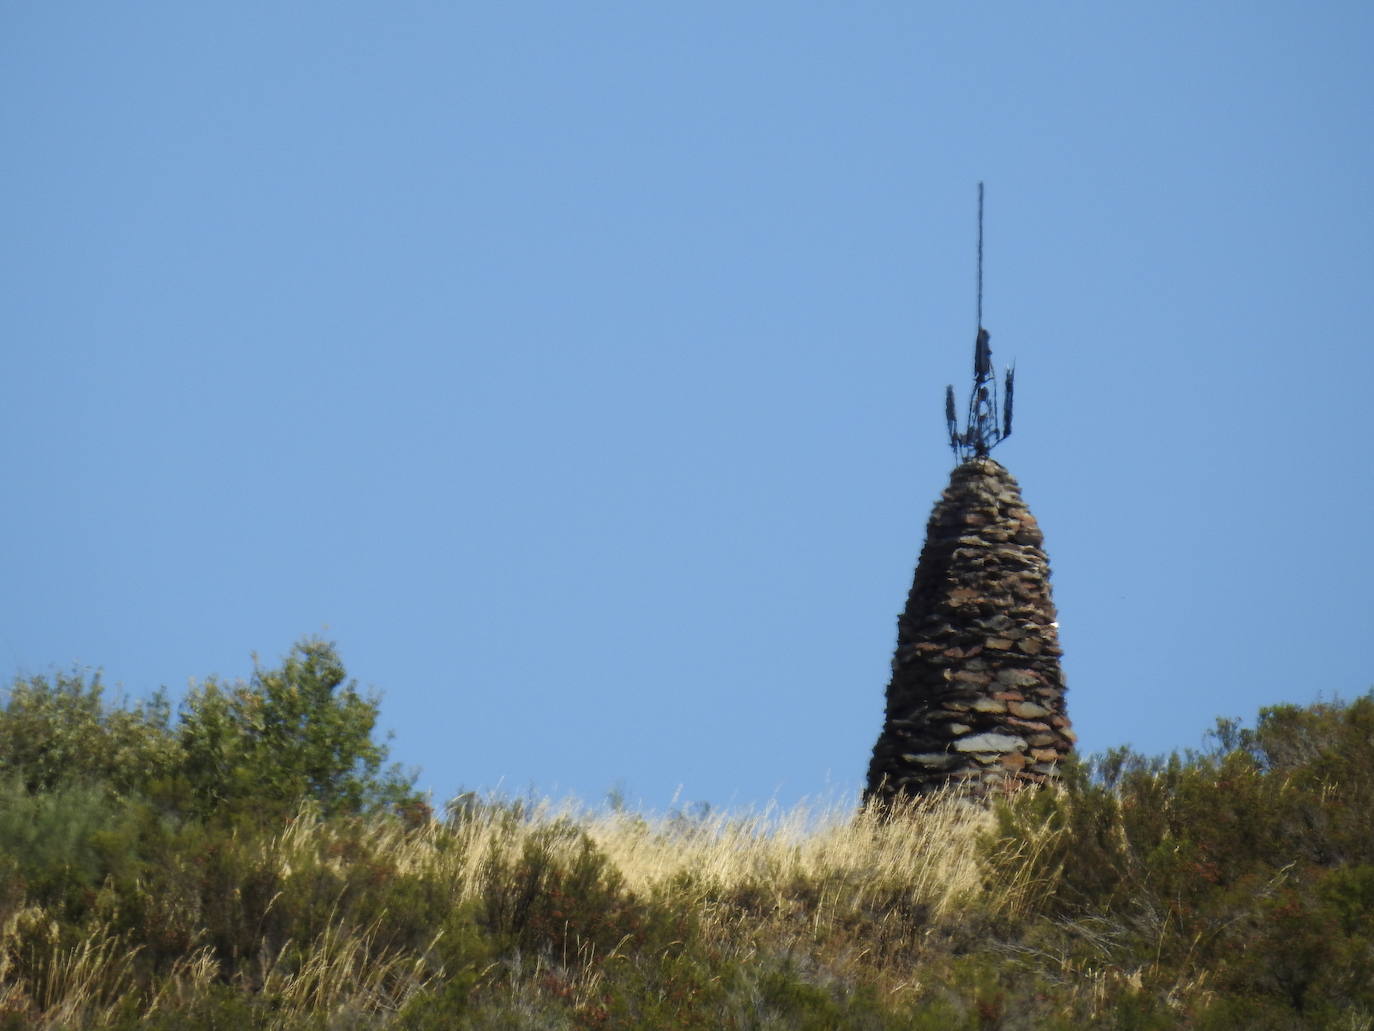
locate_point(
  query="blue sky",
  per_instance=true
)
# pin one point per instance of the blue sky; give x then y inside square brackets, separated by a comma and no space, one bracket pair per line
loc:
[578,367]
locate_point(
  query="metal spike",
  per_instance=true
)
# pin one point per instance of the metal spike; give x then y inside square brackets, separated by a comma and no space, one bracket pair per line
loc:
[1006,402]
[982,356]
[951,420]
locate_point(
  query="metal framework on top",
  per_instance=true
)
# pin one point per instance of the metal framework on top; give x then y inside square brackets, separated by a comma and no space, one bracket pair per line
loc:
[984,425]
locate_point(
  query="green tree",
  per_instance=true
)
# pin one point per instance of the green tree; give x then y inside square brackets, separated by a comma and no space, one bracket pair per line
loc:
[59,730]
[299,732]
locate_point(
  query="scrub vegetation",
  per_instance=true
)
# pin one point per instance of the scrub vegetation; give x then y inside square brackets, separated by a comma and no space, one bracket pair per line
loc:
[248,860]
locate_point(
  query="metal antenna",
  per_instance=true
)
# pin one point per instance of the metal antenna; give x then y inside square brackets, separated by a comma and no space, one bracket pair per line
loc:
[980,255]
[982,431]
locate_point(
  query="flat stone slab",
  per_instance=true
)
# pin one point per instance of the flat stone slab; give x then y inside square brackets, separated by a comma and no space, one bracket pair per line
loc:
[939,760]
[990,742]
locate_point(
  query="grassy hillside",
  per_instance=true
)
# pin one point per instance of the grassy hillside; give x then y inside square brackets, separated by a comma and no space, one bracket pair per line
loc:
[249,862]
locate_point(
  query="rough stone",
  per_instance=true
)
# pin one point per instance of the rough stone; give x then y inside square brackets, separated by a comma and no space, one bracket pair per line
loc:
[937,760]
[990,743]
[967,676]
[1034,726]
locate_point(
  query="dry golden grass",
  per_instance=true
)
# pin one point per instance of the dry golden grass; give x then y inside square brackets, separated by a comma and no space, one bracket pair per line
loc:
[82,984]
[340,970]
[931,848]
[929,852]
[842,886]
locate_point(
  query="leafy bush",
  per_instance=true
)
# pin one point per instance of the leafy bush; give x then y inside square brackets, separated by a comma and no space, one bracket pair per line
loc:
[59,730]
[301,731]
[298,732]
[1245,866]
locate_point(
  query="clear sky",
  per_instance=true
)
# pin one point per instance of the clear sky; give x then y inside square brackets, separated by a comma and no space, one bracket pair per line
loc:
[578,367]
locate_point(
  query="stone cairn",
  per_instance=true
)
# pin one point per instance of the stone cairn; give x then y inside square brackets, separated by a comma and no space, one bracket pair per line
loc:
[976,700]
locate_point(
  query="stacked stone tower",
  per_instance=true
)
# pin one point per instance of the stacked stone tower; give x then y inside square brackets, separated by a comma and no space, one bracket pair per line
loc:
[976,701]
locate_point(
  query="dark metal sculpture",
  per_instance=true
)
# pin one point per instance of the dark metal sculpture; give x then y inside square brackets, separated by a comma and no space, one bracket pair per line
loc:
[982,430]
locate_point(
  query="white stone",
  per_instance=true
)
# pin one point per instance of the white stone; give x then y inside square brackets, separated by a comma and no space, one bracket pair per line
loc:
[990,743]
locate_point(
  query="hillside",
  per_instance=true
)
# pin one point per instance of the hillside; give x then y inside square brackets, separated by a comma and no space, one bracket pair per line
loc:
[248,860]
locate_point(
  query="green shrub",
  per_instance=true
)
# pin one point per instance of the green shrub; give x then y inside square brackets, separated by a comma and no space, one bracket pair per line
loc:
[294,733]
[1246,866]
[59,730]
[560,894]
[257,749]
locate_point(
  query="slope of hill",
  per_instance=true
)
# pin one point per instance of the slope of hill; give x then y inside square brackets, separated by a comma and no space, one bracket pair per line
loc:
[249,862]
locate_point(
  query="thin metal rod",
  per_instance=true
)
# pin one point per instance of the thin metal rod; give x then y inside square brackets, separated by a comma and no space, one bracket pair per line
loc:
[980,256]
[982,429]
